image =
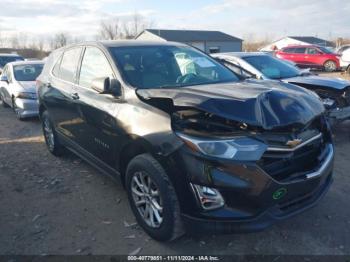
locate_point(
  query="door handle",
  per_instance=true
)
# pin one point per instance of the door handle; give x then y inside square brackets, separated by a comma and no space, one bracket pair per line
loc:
[75,96]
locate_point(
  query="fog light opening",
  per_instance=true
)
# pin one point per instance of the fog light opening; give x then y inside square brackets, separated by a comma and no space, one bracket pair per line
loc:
[208,198]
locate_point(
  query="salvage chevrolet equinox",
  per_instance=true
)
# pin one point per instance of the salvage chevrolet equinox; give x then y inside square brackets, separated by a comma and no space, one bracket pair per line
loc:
[197,148]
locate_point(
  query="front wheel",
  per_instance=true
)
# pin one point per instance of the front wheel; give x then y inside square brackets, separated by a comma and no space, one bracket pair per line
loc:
[330,66]
[153,199]
[3,101]
[50,136]
[16,110]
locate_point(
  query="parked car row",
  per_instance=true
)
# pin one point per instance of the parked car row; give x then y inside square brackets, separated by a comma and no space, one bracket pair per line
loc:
[200,145]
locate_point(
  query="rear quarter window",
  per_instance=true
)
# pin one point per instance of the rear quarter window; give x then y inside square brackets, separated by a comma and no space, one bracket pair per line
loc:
[68,65]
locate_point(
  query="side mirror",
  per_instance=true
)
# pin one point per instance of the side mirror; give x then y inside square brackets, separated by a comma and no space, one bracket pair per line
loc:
[115,88]
[105,85]
[3,78]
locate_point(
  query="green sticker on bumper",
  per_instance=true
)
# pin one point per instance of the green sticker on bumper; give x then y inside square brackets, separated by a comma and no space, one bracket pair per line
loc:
[279,193]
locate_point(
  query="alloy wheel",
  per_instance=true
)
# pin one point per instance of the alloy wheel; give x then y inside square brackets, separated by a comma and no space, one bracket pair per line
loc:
[330,66]
[147,199]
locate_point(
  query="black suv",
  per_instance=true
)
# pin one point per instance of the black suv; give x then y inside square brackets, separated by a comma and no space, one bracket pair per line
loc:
[196,147]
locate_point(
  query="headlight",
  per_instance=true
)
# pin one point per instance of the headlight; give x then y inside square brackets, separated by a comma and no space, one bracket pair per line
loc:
[25,95]
[237,148]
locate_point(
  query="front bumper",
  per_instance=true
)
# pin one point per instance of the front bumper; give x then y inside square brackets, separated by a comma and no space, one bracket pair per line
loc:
[195,225]
[339,114]
[27,107]
[248,193]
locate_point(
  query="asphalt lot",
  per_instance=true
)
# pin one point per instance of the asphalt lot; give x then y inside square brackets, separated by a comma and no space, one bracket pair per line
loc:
[54,205]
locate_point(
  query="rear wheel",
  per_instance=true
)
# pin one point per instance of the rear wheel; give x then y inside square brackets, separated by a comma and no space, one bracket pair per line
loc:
[51,139]
[330,66]
[153,199]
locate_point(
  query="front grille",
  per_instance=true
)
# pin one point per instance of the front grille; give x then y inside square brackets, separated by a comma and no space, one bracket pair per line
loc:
[286,166]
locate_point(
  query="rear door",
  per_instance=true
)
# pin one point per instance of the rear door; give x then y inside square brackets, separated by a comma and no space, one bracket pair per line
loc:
[59,96]
[97,112]
[286,53]
[299,56]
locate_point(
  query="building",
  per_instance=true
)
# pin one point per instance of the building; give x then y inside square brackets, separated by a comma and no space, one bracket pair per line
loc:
[297,40]
[207,41]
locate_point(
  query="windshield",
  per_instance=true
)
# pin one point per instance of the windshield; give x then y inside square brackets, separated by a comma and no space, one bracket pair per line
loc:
[272,67]
[325,50]
[169,66]
[7,59]
[27,72]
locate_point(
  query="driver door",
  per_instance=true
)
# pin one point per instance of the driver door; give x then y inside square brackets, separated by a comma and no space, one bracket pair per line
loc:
[97,111]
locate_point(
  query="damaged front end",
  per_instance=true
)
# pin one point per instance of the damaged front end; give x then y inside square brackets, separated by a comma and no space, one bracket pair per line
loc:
[241,149]
[335,100]
[235,169]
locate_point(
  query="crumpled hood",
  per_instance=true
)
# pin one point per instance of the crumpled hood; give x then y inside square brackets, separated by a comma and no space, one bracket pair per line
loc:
[267,104]
[28,86]
[332,83]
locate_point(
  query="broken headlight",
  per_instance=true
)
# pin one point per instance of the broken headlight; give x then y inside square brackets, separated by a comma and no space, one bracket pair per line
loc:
[237,148]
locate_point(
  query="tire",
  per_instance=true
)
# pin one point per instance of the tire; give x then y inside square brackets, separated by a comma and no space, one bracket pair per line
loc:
[50,135]
[3,102]
[330,66]
[170,227]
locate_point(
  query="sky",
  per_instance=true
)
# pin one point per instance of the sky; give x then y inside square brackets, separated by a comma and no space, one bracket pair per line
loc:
[251,20]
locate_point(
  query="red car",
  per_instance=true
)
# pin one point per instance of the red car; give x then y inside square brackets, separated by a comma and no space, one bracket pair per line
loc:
[311,56]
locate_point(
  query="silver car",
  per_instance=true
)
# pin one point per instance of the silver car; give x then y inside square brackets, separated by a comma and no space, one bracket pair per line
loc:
[17,87]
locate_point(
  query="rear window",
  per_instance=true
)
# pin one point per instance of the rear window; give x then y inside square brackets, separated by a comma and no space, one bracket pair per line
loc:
[27,72]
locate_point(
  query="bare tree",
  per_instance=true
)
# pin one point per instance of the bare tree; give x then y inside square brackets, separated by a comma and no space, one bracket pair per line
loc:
[59,40]
[137,24]
[110,30]
[123,29]
[14,42]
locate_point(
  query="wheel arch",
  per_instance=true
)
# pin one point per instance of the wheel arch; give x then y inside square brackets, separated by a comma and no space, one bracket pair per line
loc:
[42,109]
[130,150]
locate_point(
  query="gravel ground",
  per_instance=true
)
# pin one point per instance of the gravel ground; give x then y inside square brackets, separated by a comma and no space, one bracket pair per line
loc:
[54,205]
